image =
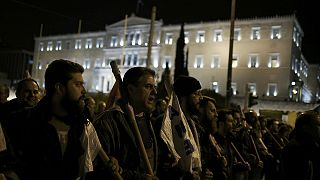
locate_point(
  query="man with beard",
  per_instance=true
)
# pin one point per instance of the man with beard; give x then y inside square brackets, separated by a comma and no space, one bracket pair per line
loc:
[116,131]
[48,142]
[188,92]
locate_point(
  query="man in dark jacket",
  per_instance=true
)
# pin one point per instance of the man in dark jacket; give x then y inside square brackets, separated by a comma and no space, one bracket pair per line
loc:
[46,138]
[116,130]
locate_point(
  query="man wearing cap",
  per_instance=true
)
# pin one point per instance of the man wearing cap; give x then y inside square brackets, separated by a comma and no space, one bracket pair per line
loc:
[188,92]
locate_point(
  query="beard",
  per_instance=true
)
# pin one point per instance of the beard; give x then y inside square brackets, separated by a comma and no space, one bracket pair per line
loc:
[73,107]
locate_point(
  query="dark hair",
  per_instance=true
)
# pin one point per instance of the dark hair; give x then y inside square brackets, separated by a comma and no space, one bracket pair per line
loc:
[59,71]
[22,83]
[133,75]
[222,115]
[305,119]
[186,85]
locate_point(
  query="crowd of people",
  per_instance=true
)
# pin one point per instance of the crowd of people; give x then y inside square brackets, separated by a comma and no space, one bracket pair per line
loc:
[62,133]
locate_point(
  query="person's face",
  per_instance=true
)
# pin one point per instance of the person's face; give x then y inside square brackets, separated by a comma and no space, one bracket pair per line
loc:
[237,118]
[193,102]
[212,115]
[228,123]
[29,94]
[143,94]
[73,100]
[91,104]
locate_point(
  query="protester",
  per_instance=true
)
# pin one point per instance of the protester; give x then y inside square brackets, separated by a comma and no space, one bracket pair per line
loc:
[212,156]
[90,106]
[301,157]
[101,106]
[50,144]
[27,95]
[187,90]
[226,139]
[273,143]
[116,130]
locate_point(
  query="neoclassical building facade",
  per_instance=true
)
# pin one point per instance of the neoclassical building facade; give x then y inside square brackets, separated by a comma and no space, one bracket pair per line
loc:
[267,58]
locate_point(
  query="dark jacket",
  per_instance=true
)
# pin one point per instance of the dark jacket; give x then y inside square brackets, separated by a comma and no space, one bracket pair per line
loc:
[301,160]
[117,138]
[37,145]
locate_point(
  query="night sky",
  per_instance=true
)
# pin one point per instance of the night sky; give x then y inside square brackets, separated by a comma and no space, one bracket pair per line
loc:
[21,19]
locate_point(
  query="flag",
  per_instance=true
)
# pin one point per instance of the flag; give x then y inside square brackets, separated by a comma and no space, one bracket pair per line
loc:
[114,95]
[91,145]
[178,136]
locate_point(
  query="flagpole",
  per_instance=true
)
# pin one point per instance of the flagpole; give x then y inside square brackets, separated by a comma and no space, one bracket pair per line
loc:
[124,39]
[38,53]
[153,17]
[79,26]
[229,76]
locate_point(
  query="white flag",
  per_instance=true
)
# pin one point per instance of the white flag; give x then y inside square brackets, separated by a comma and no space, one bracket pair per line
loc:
[91,145]
[178,136]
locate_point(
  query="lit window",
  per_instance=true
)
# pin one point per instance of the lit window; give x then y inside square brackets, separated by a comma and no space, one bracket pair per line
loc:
[275,32]
[169,38]
[200,37]
[217,35]
[41,46]
[298,39]
[215,87]
[98,63]
[131,39]
[113,42]
[237,34]
[274,61]
[255,33]
[99,43]
[86,64]
[58,46]
[39,66]
[198,63]
[135,59]
[78,44]
[49,46]
[138,39]
[88,44]
[215,62]
[252,88]
[253,61]
[272,89]
[128,59]
[235,61]
[186,37]
[294,34]
[166,60]
[234,88]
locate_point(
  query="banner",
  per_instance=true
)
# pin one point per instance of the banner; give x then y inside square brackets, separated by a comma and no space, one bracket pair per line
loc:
[91,145]
[178,136]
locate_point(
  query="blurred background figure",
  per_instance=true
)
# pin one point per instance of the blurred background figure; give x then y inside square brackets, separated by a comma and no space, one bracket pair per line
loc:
[300,157]
[101,106]
[4,93]
[90,106]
